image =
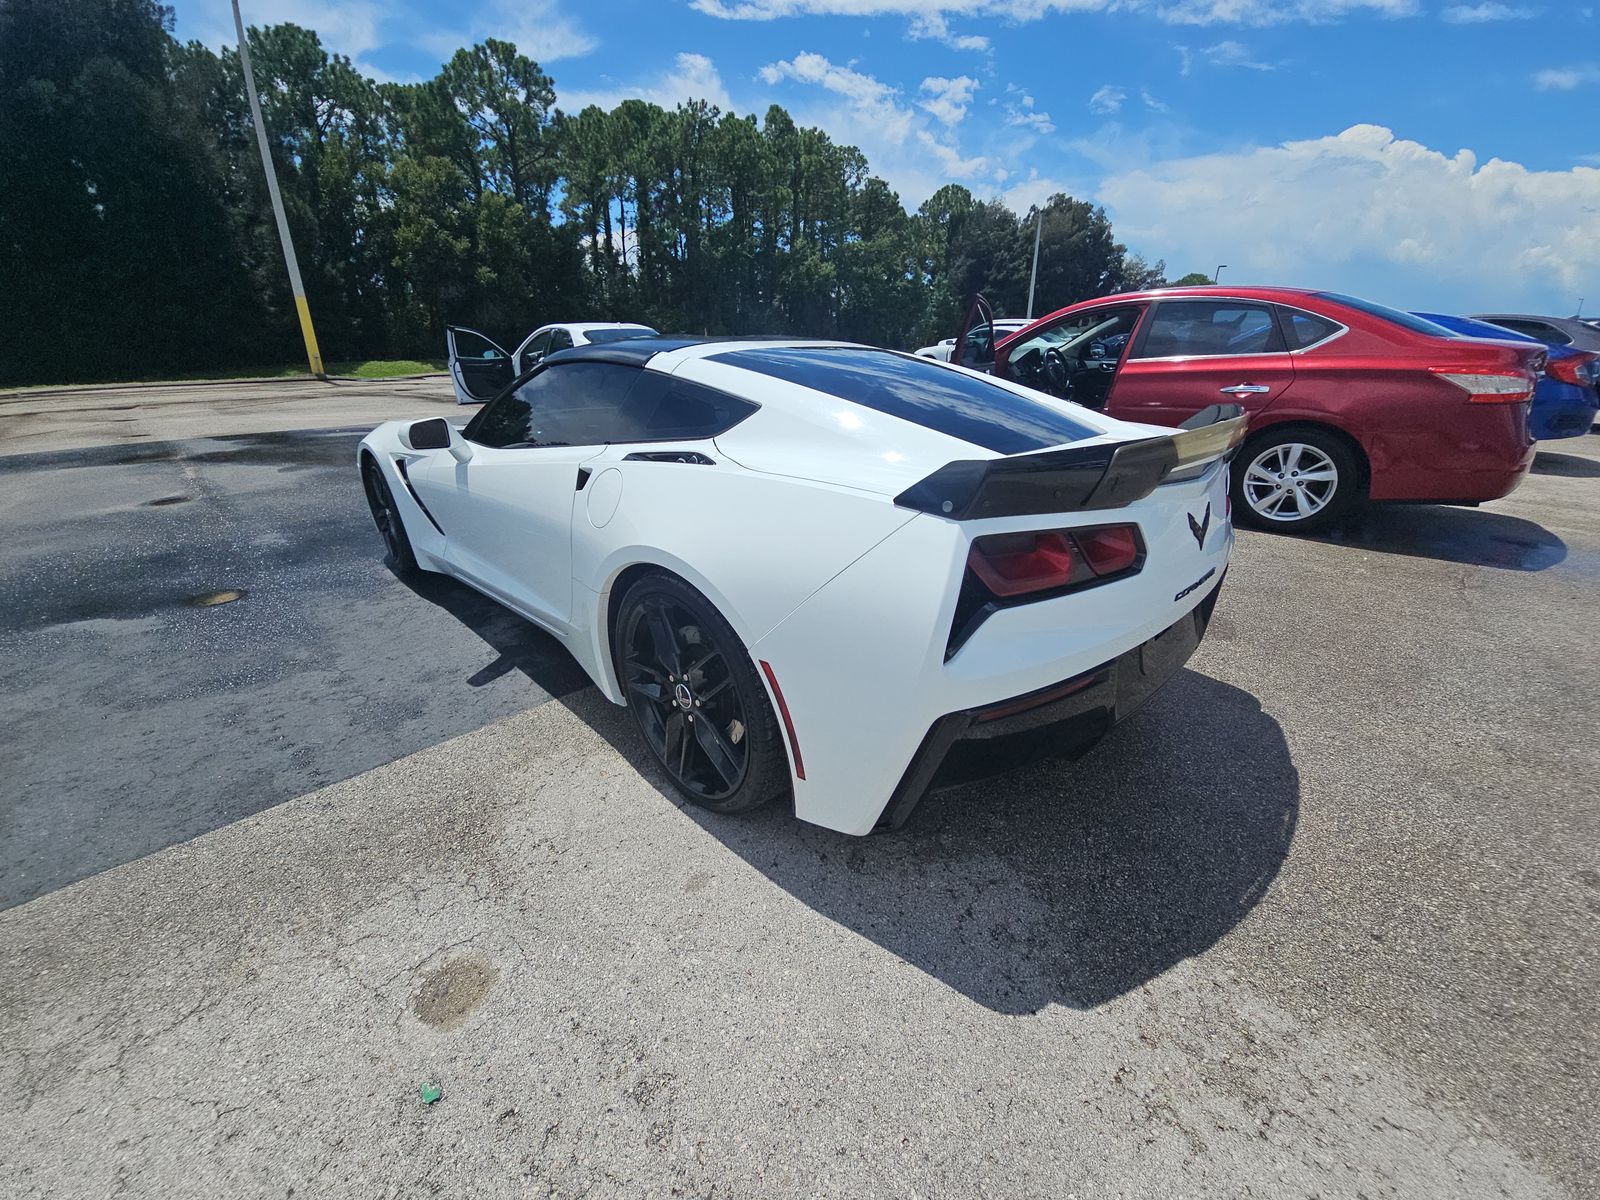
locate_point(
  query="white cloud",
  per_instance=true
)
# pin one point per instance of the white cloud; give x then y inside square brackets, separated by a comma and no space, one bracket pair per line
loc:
[870,101]
[908,145]
[1024,114]
[1033,191]
[1107,99]
[1366,211]
[933,26]
[1038,122]
[350,27]
[1224,54]
[1151,102]
[1490,10]
[950,158]
[538,28]
[1566,79]
[1278,12]
[947,99]
[932,14]
[692,77]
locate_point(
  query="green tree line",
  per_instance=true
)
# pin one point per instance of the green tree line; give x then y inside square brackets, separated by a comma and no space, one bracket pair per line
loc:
[136,236]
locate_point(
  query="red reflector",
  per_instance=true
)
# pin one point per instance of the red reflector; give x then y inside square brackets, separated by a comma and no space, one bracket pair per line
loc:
[783,711]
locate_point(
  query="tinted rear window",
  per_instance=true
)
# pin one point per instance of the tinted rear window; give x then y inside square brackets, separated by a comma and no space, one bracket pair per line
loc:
[1306,329]
[596,336]
[922,392]
[661,408]
[1383,312]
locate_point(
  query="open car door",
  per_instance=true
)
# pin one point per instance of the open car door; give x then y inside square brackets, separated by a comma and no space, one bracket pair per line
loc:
[975,342]
[479,368]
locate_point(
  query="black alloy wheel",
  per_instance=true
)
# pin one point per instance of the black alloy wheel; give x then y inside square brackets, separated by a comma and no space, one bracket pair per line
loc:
[696,698]
[387,518]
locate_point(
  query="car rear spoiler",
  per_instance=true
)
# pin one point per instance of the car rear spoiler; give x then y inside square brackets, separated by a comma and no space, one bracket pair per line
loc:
[1077,479]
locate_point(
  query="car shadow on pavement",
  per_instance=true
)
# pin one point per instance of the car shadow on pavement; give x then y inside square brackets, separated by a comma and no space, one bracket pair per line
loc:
[1065,883]
[1572,466]
[520,645]
[1473,536]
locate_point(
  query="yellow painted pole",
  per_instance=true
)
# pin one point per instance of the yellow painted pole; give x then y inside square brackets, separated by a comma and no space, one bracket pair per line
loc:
[313,354]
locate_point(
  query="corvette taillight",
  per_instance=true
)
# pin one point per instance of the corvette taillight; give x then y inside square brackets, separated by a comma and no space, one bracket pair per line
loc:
[1005,569]
[1578,369]
[1021,564]
[1488,387]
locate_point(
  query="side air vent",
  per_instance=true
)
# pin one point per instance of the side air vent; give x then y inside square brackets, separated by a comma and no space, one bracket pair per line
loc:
[671,456]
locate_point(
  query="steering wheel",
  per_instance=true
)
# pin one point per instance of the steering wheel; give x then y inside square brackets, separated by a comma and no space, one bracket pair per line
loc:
[1057,372]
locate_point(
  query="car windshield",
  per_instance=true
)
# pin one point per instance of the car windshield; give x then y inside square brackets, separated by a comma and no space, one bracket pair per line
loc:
[617,335]
[1072,334]
[1383,312]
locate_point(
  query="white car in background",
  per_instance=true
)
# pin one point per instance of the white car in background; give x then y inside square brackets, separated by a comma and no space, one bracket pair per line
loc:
[824,571]
[1004,328]
[480,369]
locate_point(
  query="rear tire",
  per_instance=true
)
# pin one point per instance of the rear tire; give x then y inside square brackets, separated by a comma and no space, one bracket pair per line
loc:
[387,518]
[1295,480]
[696,698]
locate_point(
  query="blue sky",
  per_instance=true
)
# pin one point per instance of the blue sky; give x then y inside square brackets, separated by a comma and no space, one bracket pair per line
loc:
[1427,153]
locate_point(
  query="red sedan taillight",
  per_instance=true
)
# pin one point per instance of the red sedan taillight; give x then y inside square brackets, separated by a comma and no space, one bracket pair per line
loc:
[1488,386]
[1019,564]
[1578,369]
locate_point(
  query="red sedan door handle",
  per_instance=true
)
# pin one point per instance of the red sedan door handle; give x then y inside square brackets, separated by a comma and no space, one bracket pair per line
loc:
[1246,389]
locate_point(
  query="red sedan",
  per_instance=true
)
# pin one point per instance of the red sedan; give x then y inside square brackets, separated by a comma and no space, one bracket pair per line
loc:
[1349,401]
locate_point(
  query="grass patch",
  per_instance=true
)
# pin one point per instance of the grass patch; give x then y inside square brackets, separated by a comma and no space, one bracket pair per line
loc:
[387,368]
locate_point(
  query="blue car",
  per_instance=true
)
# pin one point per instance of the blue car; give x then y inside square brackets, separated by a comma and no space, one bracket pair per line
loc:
[1566,400]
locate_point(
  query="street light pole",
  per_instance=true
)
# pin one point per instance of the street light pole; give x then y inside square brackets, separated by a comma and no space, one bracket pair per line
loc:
[1034,278]
[1220,269]
[313,354]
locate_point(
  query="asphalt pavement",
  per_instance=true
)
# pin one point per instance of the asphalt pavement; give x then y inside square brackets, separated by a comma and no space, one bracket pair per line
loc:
[1319,921]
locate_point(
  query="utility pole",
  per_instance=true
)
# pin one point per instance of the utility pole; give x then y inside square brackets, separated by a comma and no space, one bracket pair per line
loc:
[1220,269]
[1034,278]
[313,354]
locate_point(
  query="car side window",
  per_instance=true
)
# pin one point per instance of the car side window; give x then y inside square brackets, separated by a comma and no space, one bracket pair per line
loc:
[566,404]
[560,339]
[1304,329]
[663,409]
[471,344]
[1210,328]
[537,349]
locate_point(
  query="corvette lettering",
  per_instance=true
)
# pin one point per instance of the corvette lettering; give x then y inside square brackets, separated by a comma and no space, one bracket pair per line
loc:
[1186,591]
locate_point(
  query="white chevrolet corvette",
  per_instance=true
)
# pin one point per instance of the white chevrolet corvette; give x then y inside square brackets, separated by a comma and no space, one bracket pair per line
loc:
[821,569]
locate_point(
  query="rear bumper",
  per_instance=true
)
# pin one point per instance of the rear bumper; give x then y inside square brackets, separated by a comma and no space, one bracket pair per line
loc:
[1064,720]
[1482,453]
[1562,410]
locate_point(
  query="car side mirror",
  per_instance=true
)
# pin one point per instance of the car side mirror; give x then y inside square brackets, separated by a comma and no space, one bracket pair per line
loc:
[437,434]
